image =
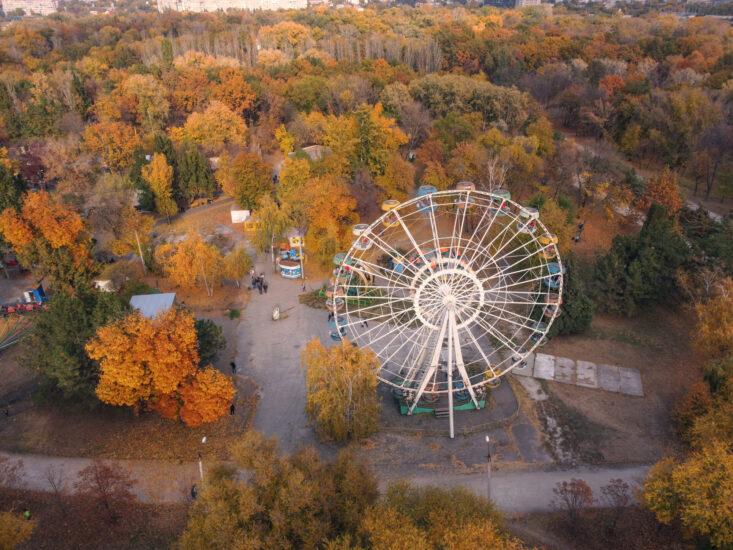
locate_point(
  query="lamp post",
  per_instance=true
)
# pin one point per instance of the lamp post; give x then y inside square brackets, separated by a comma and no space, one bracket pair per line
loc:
[488,444]
[201,460]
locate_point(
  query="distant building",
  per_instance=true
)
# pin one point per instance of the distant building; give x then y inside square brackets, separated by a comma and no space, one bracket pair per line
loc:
[30,7]
[152,304]
[527,3]
[214,5]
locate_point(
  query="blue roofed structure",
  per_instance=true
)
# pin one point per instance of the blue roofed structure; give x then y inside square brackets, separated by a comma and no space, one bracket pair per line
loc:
[152,304]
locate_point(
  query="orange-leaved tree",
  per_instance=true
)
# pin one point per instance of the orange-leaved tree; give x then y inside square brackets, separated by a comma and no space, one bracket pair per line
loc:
[115,142]
[153,364]
[191,263]
[663,189]
[50,236]
[234,91]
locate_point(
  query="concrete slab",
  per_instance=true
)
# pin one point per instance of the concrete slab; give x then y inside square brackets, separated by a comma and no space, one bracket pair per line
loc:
[565,370]
[544,366]
[587,374]
[527,369]
[630,382]
[609,378]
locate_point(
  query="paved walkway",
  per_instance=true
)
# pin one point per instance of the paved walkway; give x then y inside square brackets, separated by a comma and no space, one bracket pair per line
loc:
[269,352]
[519,491]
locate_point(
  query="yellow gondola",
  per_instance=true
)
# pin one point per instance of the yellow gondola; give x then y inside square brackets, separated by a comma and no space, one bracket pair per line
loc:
[390,220]
[549,246]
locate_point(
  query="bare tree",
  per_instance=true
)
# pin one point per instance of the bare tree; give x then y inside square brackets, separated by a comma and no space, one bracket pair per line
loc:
[55,478]
[573,496]
[616,496]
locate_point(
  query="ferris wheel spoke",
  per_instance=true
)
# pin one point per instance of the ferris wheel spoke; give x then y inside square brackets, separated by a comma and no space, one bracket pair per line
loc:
[512,314]
[387,249]
[410,361]
[512,285]
[410,236]
[508,343]
[480,349]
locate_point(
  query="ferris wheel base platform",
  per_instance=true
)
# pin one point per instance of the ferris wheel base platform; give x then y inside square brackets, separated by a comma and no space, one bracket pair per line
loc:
[440,409]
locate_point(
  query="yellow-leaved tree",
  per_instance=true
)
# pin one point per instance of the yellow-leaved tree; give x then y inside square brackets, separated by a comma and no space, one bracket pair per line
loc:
[714,337]
[214,129]
[698,492]
[153,364]
[191,263]
[341,390]
[159,175]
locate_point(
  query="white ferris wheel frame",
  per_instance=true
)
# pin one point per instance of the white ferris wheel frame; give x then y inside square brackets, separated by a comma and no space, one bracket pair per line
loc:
[454,288]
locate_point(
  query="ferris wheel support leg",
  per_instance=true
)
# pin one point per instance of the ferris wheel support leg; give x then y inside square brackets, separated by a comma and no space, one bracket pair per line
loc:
[433,364]
[451,345]
[459,361]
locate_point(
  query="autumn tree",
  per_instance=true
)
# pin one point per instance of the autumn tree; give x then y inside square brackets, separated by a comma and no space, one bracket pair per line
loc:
[48,235]
[234,91]
[55,348]
[14,530]
[115,142]
[159,175]
[285,139]
[150,96]
[275,221]
[341,390]
[432,518]
[398,179]
[154,364]
[714,336]
[327,210]
[378,138]
[133,233]
[697,492]
[214,129]
[237,264]
[191,263]
[263,511]
[246,178]
[109,486]
[573,497]
[662,189]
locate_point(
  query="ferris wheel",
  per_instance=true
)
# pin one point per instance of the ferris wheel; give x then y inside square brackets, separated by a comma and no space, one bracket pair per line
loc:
[451,290]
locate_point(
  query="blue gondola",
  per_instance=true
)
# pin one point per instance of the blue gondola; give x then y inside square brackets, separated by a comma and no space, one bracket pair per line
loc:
[554,280]
[425,202]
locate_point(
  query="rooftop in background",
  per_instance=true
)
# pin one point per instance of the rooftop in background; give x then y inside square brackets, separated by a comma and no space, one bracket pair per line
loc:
[152,304]
[215,5]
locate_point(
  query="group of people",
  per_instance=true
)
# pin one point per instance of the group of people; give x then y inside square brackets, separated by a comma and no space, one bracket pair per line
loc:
[258,282]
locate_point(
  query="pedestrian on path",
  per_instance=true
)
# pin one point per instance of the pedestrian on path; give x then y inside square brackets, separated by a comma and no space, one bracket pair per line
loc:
[264,287]
[27,514]
[6,411]
[234,367]
[194,491]
[232,409]
[304,287]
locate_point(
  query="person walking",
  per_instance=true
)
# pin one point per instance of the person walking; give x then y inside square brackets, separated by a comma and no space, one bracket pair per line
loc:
[232,409]
[234,367]
[264,286]
[194,491]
